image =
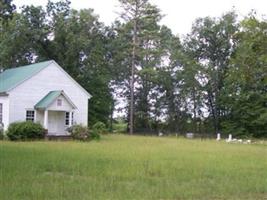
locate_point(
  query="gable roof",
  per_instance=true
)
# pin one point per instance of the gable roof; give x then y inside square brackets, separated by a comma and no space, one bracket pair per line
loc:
[48,99]
[11,78]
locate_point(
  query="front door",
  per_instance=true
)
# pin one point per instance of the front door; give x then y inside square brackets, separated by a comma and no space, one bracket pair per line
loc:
[54,122]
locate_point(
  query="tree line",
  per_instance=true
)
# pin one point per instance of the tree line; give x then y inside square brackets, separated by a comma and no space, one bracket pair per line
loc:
[212,80]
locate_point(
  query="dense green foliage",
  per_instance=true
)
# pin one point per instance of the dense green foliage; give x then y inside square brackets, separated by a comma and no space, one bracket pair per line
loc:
[25,131]
[133,167]
[6,11]
[211,44]
[83,133]
[212,81]
[99,127]
[1,134]
[245,96]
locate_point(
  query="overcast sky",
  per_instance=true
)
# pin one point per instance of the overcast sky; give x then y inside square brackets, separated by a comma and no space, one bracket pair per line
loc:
[179,15]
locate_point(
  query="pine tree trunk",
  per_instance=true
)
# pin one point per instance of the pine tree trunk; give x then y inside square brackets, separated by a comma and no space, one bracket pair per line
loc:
[132,79]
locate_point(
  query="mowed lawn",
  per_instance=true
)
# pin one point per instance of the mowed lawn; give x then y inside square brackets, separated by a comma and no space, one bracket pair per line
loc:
[133,167]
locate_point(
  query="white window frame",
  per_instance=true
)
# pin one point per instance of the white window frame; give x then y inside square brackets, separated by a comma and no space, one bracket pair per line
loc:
[67,118]
[72,115]
[30,115]
[59,102]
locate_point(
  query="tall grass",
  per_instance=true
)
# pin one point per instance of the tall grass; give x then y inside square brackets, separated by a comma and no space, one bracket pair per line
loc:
[132,167]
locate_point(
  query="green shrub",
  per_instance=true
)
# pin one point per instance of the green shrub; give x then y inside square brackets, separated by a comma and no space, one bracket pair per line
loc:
[120,127]
[235,130]
[99,128]
[94,135]
[1,134]
[79,132]
[25,131]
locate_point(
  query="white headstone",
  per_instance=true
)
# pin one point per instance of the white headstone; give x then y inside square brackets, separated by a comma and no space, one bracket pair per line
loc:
[230,137]
[190,135]
[218,137]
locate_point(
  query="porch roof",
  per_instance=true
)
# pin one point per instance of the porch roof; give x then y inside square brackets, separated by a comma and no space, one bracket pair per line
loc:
[48,99]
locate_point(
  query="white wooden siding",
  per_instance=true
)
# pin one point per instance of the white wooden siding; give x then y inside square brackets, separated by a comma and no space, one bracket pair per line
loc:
[5,102]
[64,107]
[39,117]
[26,95]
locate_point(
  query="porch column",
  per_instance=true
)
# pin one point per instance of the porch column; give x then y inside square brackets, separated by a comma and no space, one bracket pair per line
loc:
[35,116]
[46,119]
[70,118]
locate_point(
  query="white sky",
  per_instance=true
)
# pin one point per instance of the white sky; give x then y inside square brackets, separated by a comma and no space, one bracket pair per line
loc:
[179,15]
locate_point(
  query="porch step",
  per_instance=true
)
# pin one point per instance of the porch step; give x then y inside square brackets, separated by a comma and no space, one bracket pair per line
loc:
[58,137]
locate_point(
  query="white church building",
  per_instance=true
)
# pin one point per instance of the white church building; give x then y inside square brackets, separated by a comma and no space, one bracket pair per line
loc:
[43,93]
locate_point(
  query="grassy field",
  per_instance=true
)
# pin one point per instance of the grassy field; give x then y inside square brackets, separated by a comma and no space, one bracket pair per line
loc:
[132,167]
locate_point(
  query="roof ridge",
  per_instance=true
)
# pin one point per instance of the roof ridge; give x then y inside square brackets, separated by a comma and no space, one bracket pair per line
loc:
[19,67]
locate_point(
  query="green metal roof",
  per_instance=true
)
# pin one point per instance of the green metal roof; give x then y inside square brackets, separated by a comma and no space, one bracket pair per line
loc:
[10,78]
[48,99]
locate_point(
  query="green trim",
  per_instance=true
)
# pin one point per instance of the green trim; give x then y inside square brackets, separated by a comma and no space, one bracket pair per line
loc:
[48,100]
[10,78]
